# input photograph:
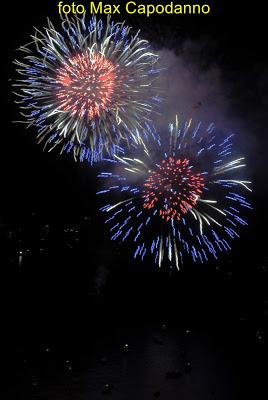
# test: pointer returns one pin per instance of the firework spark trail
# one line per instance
(179, 201)
(89, 87)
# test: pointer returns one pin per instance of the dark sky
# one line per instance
(228, 45)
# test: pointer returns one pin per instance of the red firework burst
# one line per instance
(87, 85)
(172, 188)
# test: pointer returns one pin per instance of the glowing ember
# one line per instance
(87, 85)
(172, 188)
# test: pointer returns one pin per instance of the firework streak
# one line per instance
(88, 88)
(184, 199)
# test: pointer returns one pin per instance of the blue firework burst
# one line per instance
(88, 87)
(182, 199)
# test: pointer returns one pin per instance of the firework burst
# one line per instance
(184, 199)
(88, 88)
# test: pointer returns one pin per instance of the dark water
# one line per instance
(83, 322)
(171, 364)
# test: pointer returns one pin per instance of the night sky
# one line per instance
(73, 300)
